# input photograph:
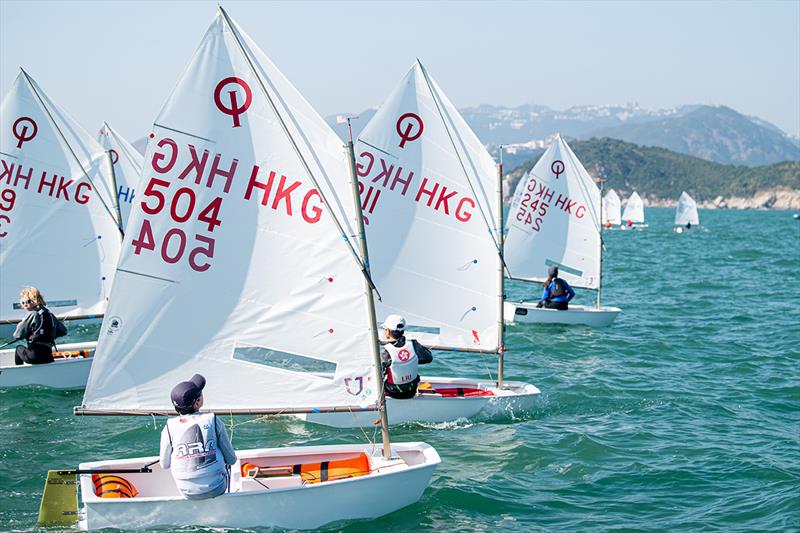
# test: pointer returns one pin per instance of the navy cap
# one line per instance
(552, 271)
(185, 393)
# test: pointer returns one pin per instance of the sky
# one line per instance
(118, 61)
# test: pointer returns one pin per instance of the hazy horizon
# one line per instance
(121, 59)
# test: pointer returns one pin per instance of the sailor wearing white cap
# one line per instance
(400, 359)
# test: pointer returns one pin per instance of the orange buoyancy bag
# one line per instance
(463, 391)
(323, 471)
(112, 486)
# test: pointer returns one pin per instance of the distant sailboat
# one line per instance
(686, 214)
(633, 216)
(126, 168)
(427, 184)
(58, 230)
(554, 220)
(612, 210)
(246, 230)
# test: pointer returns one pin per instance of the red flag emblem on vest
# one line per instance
(404, 355)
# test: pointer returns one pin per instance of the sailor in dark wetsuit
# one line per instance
(557, 292)
(400, 359)
(38, 328)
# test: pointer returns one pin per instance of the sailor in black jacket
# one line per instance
(38, 328)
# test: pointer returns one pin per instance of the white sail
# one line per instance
(554, 220)
(611, 208)
(57, 231)
(426, 183)
(634, 209)
(232, 267)
(127, 163)
(686, 212)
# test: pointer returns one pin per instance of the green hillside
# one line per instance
(659, 173)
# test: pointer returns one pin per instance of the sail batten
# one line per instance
(269, 303)
(554, 221)
(425, 182)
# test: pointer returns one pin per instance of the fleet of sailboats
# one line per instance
(427, 189)
(248, 228)
(249, 220)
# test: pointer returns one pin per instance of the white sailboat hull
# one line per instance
(528, 313)
(513, 399)
(286, 503)
(67, 373)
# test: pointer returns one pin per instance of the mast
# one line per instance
(115, 193)
(373, 327)
(498, 222)
(600, 280)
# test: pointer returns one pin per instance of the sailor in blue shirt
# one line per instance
(557, 292)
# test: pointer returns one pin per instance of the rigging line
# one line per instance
(366, 437)
(123, 148)
(490, 227)
(442, 113)
(342, 233)
(74, 155)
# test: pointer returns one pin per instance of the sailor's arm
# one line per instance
(424, 355)
(23, 329)
(386, 359)
(570, 291)
(224, 442)
(166, 450)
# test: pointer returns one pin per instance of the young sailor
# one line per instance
(195, 446)
(400, 359)
(40, 328)
(557, 292)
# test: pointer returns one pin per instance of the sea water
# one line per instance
(683, 415)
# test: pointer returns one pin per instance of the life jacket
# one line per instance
(405, 363)
(558, 289)
(43, 326)
(195, 453)
(112, 486)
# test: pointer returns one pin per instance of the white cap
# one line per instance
(394, 323)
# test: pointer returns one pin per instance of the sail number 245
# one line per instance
(182, 206)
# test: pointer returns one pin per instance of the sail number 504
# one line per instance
(181, 208)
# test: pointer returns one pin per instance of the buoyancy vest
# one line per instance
(195, 453)
(42, 327)
(405, 363)
(559, 289)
